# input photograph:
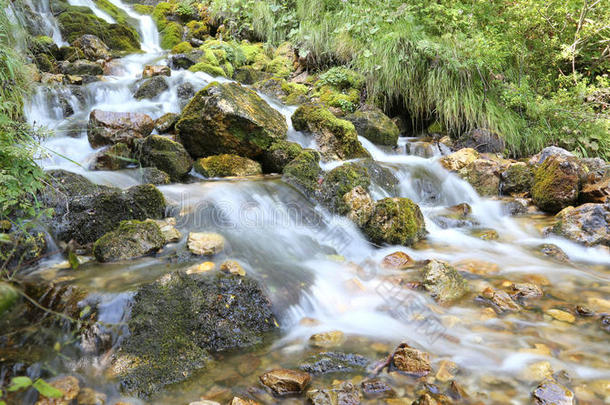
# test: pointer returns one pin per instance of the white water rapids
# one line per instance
(293, 245)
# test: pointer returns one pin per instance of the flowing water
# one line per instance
(318, 265)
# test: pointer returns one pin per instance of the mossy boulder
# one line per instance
(359, 205)
(336, 138)
(130, 240)
(588, 224)
(304, 171)
(279, 154)
(228, 118)
(556, 183)
(92, 47)
(339, 181)
(250, 75)
(166, 123)
(397, 221)
(82, 68)
(84, 211)
(443, 281)
(151, 88)
(114, 157)
(164, 154)
(483, 175)
(341, 88)
(75, 21)
(8, 297)
(108, 128)
(182, 47)
(19, 248)
(152, 175)
(227, 166)
(372, 124)
(517, 179)
(289, 93)
(179, 321)
(214, 71)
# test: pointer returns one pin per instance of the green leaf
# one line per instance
(2, 403)
(47, 390)
(19, 383)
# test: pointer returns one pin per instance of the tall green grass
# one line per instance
(20, 176)
(506, 66)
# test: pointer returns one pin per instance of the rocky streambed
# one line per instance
(228, 227)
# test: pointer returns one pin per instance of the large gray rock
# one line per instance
(178, 321)
(372, 124)
(588, 224)
(151, 88)
(84, 211)
(82, 68)
(92, 47)
(130, 240)
(482, 140)
(443, 281)
(164, 154)
(396, 221)
(228, 118)
(108, 128)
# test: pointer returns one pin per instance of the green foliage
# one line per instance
(526, 69)
(20, 177)
(40, 385)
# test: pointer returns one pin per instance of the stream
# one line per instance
(317, 265)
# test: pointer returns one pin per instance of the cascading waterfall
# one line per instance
(96, 10)
(321, 286)
(43, 8)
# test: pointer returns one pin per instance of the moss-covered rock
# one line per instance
(372, 124)
(84, 211)
(130, 240)
(82, 68)
(171, 35)
(166, 123)
(483, 175)
(151, 88)
(19, 249)
(75, 21)
(341, 180)
(182, 47)
(229, 118)
(396, 221)
(279, 154)
(8, 297)
(115, 157)
(197, 30)
(336, 138)
(359, 205)
(443, 281)
(152, 175)
(164, 154)
(556, 183)
(289, 93)
(304, 171)
(226, 312)
(340, 87)
(92, 47)
(250, 75)
(227, 166)
(214, 71)
(517, 179)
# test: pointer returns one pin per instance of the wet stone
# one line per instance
(327, 339)
(561, 315)
(205, 244)
(411, 361)
(554, 252)
(285, 382)
(87, 396)
(330, 362)
(499, 300)
(70, 388)
(233, 267)
(526, 291)
(376, 388)
(549, 392)
(443, 281)
(343, 393)
(397, 261)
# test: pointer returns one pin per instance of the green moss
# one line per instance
(228, 68)
(143, 9)
(517, 179)
(396, 221)
(160, 13)
(321, 122)
(130, 240)
(198, 29)
(279, 66)
(182, 47)
(340, 181)
(555, 185)
(304, 171)
(164, 154)
(372, 124)
(8, 297)
(171, 35)
(226, 166)
(279, 155)
(342, 79)
(346, 100)
(251, 51)
(75, 22)
(113, 11)
(209, 69)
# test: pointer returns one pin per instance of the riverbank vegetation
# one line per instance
(534, 71)
(20, 176)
